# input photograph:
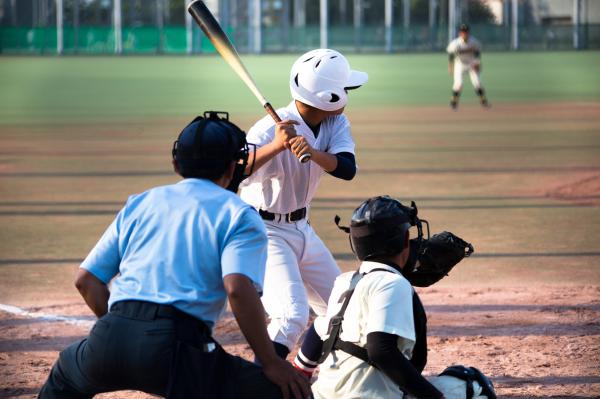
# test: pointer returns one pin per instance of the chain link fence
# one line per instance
(274, 26)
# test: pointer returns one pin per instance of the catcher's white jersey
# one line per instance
(382, 301)
(284, 184)
(465, 51)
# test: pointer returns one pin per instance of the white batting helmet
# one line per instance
(321, 77)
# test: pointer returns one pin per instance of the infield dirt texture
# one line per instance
(521, 181)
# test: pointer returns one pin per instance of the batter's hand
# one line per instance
(299, 146)
(284, 132)
(284, 375)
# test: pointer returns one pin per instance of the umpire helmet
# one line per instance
(208, 145)
(379, 225)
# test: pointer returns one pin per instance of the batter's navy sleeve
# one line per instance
(383, 352)
(346, 166)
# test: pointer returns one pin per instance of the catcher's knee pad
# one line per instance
(477, 384)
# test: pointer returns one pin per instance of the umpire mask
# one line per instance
(207, 146)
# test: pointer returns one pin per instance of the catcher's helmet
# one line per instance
(322, 77)
(379, 225)
(208, 145)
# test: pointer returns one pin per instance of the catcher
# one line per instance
(372, 343)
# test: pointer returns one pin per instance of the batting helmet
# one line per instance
(379, 225)
(208, 145)
(321, 78)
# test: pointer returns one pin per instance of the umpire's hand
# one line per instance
(283, 374)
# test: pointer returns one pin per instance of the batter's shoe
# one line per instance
(453, 104)
(484, 103)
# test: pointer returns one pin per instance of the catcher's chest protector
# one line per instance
(334, 342)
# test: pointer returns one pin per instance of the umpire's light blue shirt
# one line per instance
(174, 244)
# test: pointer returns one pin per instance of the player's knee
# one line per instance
(299, 319)
(296, 323)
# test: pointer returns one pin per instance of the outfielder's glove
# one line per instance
(432, 259)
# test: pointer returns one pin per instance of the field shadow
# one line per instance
(350, 256)
(508, 381)
(510, 308)
(38, 344)
(515, 330)
(14, 392)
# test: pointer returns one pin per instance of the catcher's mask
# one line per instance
(208, 145)
(379, 225)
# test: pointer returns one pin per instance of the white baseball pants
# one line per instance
(300, 274)
(459, 71)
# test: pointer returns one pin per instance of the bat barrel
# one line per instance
(219, 39)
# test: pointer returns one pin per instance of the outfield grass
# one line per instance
(68, 89)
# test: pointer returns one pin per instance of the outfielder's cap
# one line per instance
(464, 28)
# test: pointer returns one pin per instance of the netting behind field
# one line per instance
(271, 26)
(174, 40)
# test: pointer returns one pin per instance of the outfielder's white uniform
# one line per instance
(297, 258)
(466, 59)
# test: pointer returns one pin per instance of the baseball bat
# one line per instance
(223, 45)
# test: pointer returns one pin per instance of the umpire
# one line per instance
(173, 256)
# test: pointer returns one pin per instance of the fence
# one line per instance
(162, 27)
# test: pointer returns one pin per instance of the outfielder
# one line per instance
(300, 269)
(173, 256)
(464, 54)
(373, 343)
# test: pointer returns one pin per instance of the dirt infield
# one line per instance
(535, 342)
(521, 182)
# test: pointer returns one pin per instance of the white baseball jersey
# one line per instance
(465, 51)
(284, 184)
(382, 301)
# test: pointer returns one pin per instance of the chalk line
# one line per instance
(76, 321)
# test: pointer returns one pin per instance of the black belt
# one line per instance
(142, 310)
(294, 216)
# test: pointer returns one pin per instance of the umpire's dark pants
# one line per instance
(156, 349)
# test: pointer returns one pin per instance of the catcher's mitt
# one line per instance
(432, 259)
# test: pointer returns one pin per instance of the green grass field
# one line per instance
(81, 134)
(96, 88)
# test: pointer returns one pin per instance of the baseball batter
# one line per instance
(300, 269)
(465, 56)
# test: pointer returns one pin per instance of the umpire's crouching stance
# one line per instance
(176, 253)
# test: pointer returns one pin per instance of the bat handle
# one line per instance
(271, 112)
(269, 108)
